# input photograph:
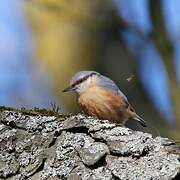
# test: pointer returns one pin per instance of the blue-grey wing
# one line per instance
(107, 83)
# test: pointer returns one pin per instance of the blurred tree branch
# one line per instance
(166, 51)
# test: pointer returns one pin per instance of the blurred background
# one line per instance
(136, 43)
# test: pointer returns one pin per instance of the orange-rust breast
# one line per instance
(103, 104)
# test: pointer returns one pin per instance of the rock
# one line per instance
(92, 154)
(54, 146)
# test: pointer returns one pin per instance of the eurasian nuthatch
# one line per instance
(98, 96)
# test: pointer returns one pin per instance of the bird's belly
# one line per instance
(103, 105)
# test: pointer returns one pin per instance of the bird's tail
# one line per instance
(144, 124)
(140, 120)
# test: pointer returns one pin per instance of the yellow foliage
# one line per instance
(68, 36)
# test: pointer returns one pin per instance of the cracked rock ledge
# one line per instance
(44, 147)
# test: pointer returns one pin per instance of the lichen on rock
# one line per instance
(48, 146)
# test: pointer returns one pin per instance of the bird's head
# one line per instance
(81, 81)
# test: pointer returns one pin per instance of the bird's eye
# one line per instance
(80, 81)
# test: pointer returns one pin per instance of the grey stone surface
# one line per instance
(35, 145)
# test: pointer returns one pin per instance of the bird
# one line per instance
(98, 96)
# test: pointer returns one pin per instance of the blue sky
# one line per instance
(19, 85)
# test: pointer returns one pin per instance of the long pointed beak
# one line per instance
(67, 89)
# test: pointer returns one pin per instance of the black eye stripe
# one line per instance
(82, 79)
